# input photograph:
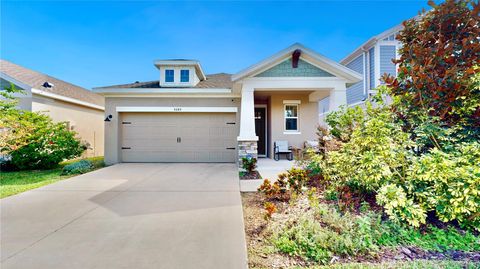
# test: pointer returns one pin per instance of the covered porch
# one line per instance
(280, 98)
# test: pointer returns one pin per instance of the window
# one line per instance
(184, 75)
(291, 117)
(169, 75)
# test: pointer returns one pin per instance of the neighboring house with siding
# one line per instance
(372, 59)
(187, 116)
(81, 109)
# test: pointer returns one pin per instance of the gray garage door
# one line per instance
(178, 137)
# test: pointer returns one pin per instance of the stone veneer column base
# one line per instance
(247, 148)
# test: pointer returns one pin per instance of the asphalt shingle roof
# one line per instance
(220, 81)
(36, 80)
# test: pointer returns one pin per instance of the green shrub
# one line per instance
(249, 164)
(44, 145)
(80, 167)
(382, 159)
(324, 232)
(343, 122)
(288, 184)
(327, 233)
(376, 153)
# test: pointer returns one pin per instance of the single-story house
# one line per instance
(187, 116)
(81, 109)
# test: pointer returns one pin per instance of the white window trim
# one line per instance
(297, 131)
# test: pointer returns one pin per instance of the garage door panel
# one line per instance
(133, 132)
(204, 137)
(150, 156)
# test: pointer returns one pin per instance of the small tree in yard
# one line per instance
(438, 60)
(33, 140)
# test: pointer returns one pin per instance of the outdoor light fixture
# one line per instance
(108, 118)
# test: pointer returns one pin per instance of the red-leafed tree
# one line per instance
(439, 65)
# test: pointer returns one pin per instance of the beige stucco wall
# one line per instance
(307, 122)
(112, 128)
(87, 122)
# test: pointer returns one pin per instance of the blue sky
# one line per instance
(99, 43)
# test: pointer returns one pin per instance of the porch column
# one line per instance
(247, 139)
(338, 97)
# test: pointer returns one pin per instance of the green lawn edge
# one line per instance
(16, 182)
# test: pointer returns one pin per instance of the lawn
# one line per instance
(20, 181)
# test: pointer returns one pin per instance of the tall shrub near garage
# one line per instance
(42, 143)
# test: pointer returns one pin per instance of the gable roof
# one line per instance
(213, 81)
(36, 80)
(369, 43)
(308, 55)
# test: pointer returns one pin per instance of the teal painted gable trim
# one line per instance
(304, 69)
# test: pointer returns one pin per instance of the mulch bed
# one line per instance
(260, 257)
(249, 176)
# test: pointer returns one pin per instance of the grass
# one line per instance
(20, 181)
(423, 264)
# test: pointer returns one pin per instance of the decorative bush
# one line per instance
(79, 167)
(34, 141)
(270, 208)
(375, 154)
(343, 122)
(382, 159)
(322, 232)
(293, 182)
(439, 57)
(249, 164)
(448, 183)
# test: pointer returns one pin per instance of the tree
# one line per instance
(438, 64)
(31, 139)
(7, 100)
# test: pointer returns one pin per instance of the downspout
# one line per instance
(365, 76)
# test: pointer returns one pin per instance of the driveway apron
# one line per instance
(137, 215)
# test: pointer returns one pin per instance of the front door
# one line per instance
(260, 129)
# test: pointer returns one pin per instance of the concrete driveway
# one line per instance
(129, 216)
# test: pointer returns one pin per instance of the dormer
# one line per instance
(179, 73)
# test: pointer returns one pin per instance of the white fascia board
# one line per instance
(161, 90)
(15, 81)
(370, 43)
(335, 67)
(195, 63)
(66, 99)
(197, 96)
(318, 60)
(174, 62)
(272, 59)
(292, 83)
(175, 109)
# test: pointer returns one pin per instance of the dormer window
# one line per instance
(169, 75)
(179, 73)
(184, 75)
